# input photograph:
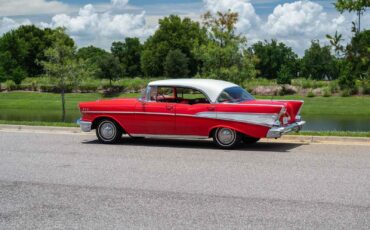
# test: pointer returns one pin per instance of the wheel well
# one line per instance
(212, 132)
(96, 122)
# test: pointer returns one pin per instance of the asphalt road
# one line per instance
(69, 181)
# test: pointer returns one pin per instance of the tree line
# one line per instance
(182, 48)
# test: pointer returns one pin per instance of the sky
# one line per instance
(100, 22)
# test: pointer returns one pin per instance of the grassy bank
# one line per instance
(333, 133)
(33, 108)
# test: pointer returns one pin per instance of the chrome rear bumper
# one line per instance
(85, 125)
(277, 131)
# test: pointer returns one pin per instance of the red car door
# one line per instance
(188, 121)
(156, 118)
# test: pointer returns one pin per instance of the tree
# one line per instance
(60, 62)
(225, 55)
(318, 63)
(89, 57)
(176, 64)
(129, 54)
(109, 68)
(359, 6)
(284, 75)
(173, 33)
(272, 56)
(358, 54)
(91, 54)
(335, 42)
(22, 50)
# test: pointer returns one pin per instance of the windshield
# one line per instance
(234, 94)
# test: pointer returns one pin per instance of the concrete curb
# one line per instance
(317, 139)
(50, 129)
(295, 138)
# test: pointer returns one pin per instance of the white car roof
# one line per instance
(211, 87)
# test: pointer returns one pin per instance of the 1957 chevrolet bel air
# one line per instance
(192, 108)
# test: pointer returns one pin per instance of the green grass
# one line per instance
(333, 133)
(39, 123)
(33, 106)
(325, 106)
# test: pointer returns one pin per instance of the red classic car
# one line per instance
(192, 108)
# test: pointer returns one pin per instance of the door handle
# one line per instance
(211, 108)
(169, 107)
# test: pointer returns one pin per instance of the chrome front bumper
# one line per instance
(85, 125)
(277, 131)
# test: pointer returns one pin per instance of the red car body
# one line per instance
(156, 114)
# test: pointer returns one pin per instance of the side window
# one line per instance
(162, 94)
(190, 96)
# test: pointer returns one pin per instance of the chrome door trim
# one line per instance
(168, 136)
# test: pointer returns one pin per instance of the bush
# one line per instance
(284, 76)
(365, 85)
(347, 81)
(326, 92)
(133, 85)
(346, 93)
(10, 85)
(334, 86)
(88, 87)
(310, 94)
(308, 83)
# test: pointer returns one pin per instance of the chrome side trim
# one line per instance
(251, 104)
(119, 112)
(276, 132)
(169, 136)
(264, 119)
(85, 125)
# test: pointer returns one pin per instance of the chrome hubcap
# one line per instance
(107, 130)
(226, 136)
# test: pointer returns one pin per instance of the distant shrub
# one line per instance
(284, 76)
(310, 94)
(10, 85)
(88, 87)
(365, 87)
(334, 86)
(309, 83)
(346, 93)
(326, 92)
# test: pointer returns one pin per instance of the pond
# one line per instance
(314, 123)
(337, 123)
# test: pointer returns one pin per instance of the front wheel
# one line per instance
(108, 131)
(226, 138)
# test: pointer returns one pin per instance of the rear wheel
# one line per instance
(226, 138)
(249, 140)
(108, 131)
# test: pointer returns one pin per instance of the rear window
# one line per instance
(234, 94)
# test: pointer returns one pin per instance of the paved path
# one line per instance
(69, 181)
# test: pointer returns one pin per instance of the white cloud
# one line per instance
(302, 18)
(247, 15)
(90, 26)
(34, 7)
(299, 22)
(119, 3)
(7, 24)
